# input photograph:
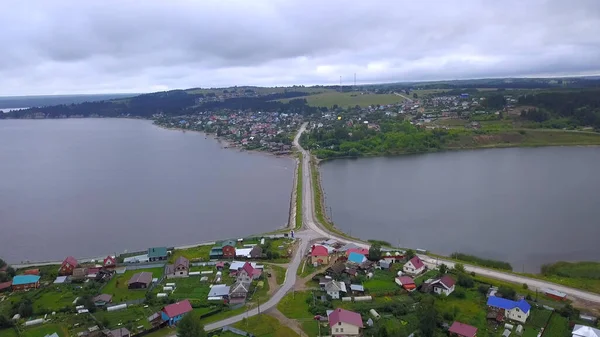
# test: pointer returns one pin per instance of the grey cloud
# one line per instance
(111, 46)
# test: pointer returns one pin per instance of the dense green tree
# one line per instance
(443, 269)
(25, 308)
(427, 317)
(496, 101)
(507, 292)
(465, 281)
(459, 267)
(189, 326)
(410, 254)
(375, 252)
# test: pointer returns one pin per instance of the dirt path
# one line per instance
(290, 323)
(273, 286)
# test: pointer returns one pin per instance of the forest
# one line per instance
(580, 108)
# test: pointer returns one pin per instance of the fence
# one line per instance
(142, 265)
(236, 331)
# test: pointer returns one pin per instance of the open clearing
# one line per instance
(348, 99)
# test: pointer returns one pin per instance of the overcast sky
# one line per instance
(62, 47)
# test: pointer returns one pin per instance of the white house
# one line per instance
(444, 285)
(414, 266)
(516, 310)
(333, 289)
(585, 331)
(345, 323)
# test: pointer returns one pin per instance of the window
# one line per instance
(337, 330)
(339, 323)
(341, 329)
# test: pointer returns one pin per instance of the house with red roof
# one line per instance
(67, 267)
(462, 330)
(173, 313)
(319, 255)
(406, 282)
(110, 262)
(247, 273)
(345, 323)
(6, 286)
(444, 285)
(31, 272)
(361, 251)
(414, 266)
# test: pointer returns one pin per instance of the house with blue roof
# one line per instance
(356, 258)
(22, 282)
(515, 310)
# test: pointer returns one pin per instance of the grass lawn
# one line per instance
(382, 281)
(294, 306)
(8, 333)
(348, 99)
(265, 325)
(43, 330)
(162, 332)
(470, 310)
(424, 277)
(117, 287)
(189, 288)
(136, 315)
(56, 297)
(279, 273)
(308, 268)
(222, 315)
(199, 253)
(558, 327)
(538, 317)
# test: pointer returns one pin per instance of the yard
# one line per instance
(558, 327)
(56, 297)
(279, 273)
(383, 281)
(198, 253)
(470, 310)
(188, 288)
(43, 330)
(133, 316)
(117, 286)
(294, 306)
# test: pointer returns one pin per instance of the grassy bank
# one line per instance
(348, 99)
(525, 138)
(482, 262)
(299, 193)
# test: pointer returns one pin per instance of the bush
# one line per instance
(459, 293)
(465, 281)
(483, 289)
(525, 286)
(507, 292)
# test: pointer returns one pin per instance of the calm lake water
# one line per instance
(88, 187)
(525, 206)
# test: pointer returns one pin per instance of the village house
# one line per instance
(109, 262)
(180, 268)
(67, 267)
(102, 300)
(247, 273)
(356, 258)
(173, 313)
(238, 292)
(23, 282)
(219, 292)
(444, 285)
(157, 254)
(406, 282)
(414, 266)
(462, 330)
(345, 323)
(140, 280)
(319, 255)
(5, 286)
(336, 270)
(225, 249)
(79, 274)
(31, 272)
(385, 264)
(584, 331)
(333, 289)
(120, 332)
(515, 310)
(357, 289)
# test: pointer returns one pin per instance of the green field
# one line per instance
(524, 138)
(294, 306)
(279, 273)
(382, 281)
(558, 327)
(56, 297)
(262, 90)
(348, 99)
(8, 333)
(265, 325)
(134, 315)
(195, 253)
(189, 288)
(43, 330)
(117, 286)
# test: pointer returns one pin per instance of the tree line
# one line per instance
(580, 108)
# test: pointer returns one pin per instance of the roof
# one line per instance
(219, 290)
(463, 329)
(345, 316)
(503, 303)
(169, 269)
(70, 260)
(153, 316)
(110, 261)
(238, 287)
(405, 280)
(554, 292)
(103, 298)
(338, 267)
(60, 279)
(357, 287)
(227, 243)
(446, 281)
(157, 252)
(54, 334)
(236, 265)
(416, 262)
(25, 279)
(120, 332)
(143, 277)
(243, 251)
(318, 250)
(356, 257)
(176, 309)
(348, 246)
(5, 285)
(32, 272)
(363, 251)
(585, 331)
(182, 260)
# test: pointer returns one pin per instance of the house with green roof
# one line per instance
(224, 249)
(157, 254)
